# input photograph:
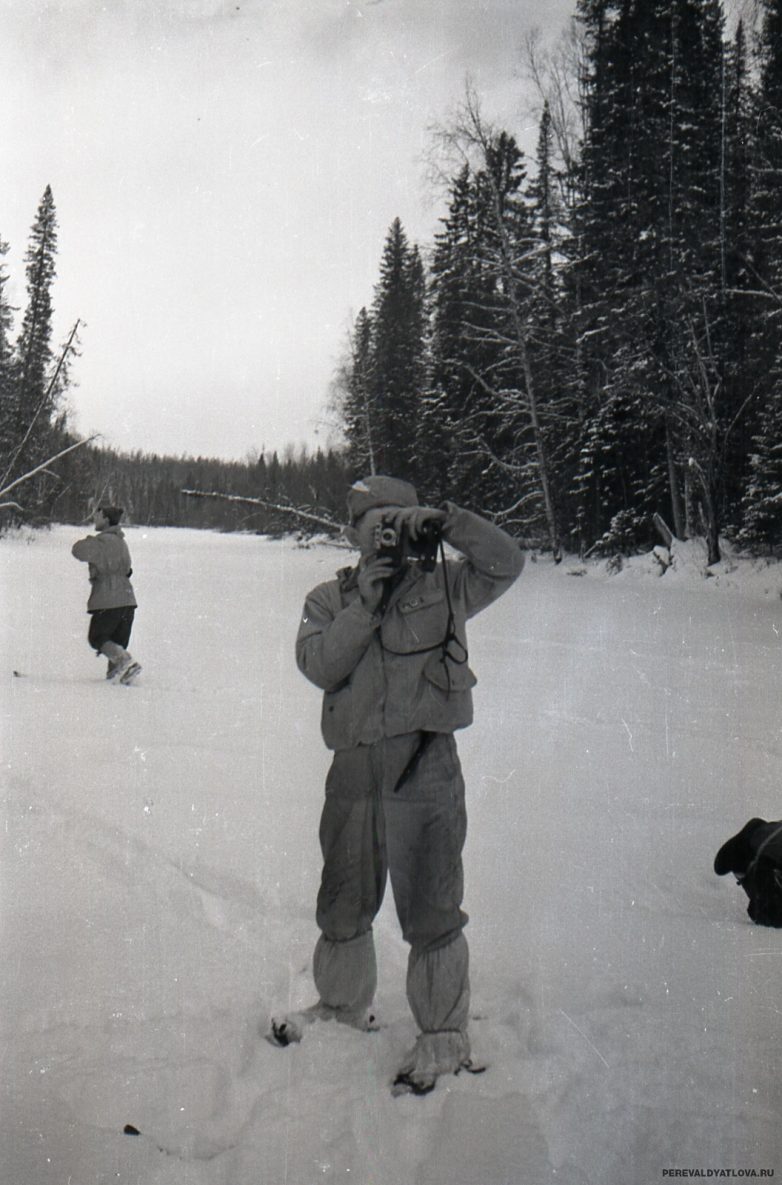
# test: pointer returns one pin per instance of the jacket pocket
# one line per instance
(448, 675)
(416, 601)
(420, 622)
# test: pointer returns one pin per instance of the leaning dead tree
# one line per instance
(45, 402)
(42, 468)
(306, 515)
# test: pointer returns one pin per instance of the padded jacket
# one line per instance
(110, 569)
(385, 674)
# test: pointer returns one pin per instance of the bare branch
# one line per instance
(553, 73)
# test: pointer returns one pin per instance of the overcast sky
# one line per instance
(224, 175)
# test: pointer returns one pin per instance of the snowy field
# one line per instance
(160, 863)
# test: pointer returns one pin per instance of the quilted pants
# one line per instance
(395, 809)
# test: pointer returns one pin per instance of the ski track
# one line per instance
(159, 865)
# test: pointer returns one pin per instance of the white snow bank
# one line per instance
(685, 564)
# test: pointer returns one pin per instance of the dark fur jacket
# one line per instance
(754, 856)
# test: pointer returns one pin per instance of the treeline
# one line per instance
(150, 489)
(593, 338)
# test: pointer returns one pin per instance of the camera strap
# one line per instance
(450, 638)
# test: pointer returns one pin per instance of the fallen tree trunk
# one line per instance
(306, 515)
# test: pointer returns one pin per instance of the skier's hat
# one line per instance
(378, 491)
(112, 513)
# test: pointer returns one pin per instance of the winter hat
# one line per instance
(112, 513)
(374, 491)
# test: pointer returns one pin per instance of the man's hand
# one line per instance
(414, 517)
(373, 573)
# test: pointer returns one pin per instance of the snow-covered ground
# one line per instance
(159, 865)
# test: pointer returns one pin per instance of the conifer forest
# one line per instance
(590, 343)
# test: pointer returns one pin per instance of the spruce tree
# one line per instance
(765, 202)
(650, 264)
(740, 402)
(357, 406)
(460, 294)
(552, 339)
(762, 509)
(610, 232)
(34, 352)
(398, 354)
(35, 398)
(8, 414)
(689, 347)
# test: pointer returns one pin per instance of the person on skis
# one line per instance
(385, 641)
(112, 602)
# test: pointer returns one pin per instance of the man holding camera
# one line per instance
(386, 643)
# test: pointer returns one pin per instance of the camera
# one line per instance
(399, 546)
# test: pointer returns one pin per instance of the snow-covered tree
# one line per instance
(36, 431)
(504, 427)
(397, 372)
(650, 269)
(357, 403)
(740, 395)
(762, 509)
(604, 342)
(460, 293)
(8, 413)
(34, 347)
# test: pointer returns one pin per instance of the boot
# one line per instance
(345, 977)
(118, 658)
(289, 1029)
(122, 667)
(434, 1054)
